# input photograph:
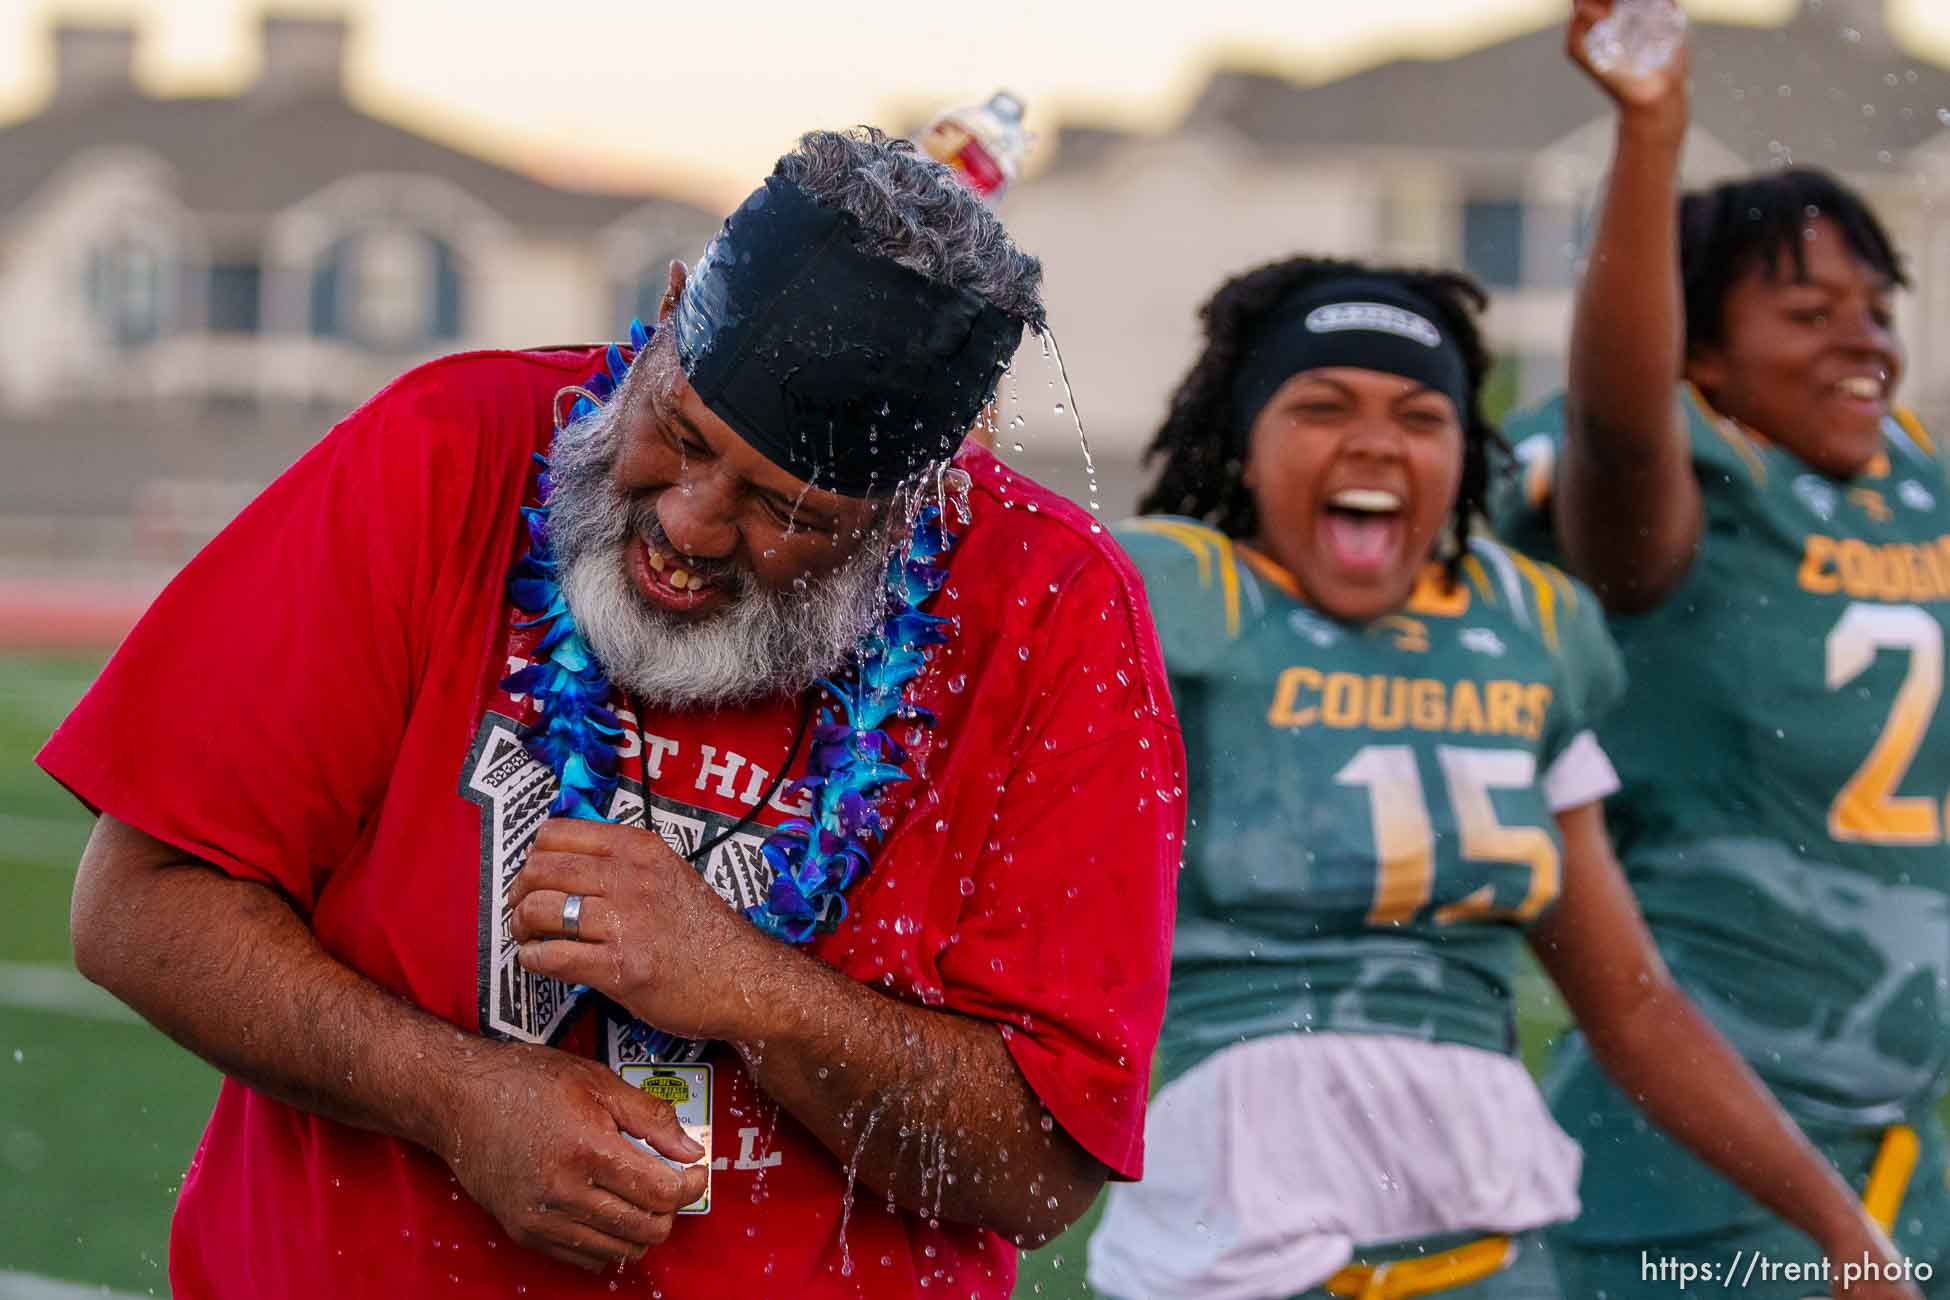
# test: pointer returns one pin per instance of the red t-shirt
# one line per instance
(315, 704)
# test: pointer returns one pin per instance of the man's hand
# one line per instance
(652, 935)
(536, 1137)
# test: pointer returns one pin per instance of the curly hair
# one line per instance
(915, 213)
(1759, 220)
(1203, 475)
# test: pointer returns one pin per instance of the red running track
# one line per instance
(91, 614)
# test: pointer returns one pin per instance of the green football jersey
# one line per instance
(1368, 830)
(1785, 760)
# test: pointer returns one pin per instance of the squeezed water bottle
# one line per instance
(983, 143)
(1637, 38)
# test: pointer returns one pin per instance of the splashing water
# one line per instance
(1069, 403)
(852, 1178)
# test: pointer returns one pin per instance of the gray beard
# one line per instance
(762, 643)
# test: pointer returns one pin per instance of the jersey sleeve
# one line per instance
(1192, 584)
(1066, 938)
(253, 715)
(1725, 460)
(1591, 669)
(1520, 501)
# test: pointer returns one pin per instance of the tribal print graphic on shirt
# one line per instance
(514, 791)
(1370, 832)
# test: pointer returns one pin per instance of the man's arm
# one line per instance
(1628, 508)
(929, 1103)
(925, 1106)
(227, 968)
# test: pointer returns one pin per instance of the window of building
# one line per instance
(388, 287)
(1493, 241)
(236, 295)
(126, 290)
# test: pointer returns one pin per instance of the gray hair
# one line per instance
(916, 214)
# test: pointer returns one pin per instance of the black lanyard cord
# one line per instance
(805, 721)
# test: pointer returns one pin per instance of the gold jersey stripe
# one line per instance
(1734, 434)
(1546, 595)
(1480, 576)
(1213, 549)
(1913, 426)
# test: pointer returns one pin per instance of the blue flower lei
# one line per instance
(852, 761)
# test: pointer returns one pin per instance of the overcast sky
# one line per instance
(704, 95)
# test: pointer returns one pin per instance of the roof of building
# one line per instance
(260, 152)
(1831, 86)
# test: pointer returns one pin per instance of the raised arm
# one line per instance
(1628, 510)
(227, 968)
(1657, 1048)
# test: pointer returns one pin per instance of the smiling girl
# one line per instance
(1394, 786)
(1771, 535)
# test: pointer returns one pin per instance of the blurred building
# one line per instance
(1490, 161)
(281, 244)
(193, 289)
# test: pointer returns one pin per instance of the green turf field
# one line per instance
(98, 1113)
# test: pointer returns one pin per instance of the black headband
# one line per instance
(1369, 324)
(841, 367)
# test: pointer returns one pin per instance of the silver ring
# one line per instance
(572, 916)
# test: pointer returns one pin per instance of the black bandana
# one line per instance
(840, 367)
(1368, 324)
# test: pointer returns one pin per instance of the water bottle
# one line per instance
(984, 143)
(1637, 38)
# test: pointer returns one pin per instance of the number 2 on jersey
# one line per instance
(1868, 810)
(1404, 837)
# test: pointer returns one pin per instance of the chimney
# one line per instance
(92, 63)
(304, 58)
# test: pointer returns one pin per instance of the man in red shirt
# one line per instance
(432, 791)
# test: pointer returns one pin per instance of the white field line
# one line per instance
(28, 986)
(31, 1286)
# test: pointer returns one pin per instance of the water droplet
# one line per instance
(958, 683)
